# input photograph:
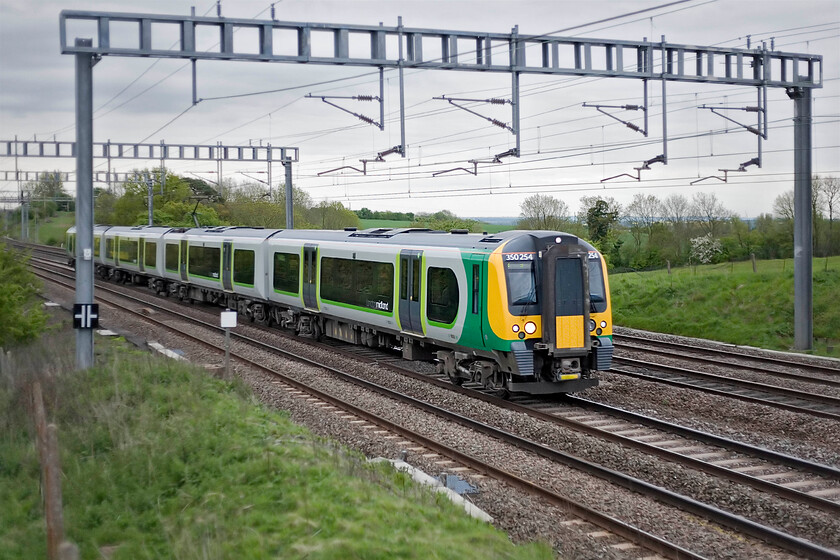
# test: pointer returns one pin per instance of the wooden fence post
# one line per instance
(40, 422)
(752, 257)
(669, 267)
(53, 509)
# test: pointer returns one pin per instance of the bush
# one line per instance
(21, 317)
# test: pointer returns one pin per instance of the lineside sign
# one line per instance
(85, 315)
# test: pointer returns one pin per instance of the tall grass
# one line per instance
(730, 303)
(162, 461)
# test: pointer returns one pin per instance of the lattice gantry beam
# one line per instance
(284, 41)
(120, 150)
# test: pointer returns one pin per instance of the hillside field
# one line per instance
(730, 303)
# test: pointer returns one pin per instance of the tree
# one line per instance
(445, 220)
(783, 206)
(544, 212)
(709, 212)
(642, 213)
(600, 216)
(828, 189)
(675, 209)
(332, 215)
(48, 195)
(705, 249)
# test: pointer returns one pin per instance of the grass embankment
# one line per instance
(730, 303)
(162, 461)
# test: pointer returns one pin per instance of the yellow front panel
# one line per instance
(570, 332)
(500, 319)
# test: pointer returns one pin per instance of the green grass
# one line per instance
(162, 461)
(50, 231)
(730, 303)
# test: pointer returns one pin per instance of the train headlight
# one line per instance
(530, 327)
(603, 324)
(591, 325)
(515, 328)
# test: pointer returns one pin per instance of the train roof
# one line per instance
(520, 240)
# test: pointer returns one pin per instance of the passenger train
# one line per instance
(517, 311)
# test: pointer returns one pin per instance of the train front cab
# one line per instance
(558, 336)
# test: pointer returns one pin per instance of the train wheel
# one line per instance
(495, 385)
(455, 380)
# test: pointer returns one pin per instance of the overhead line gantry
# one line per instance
(563, 56)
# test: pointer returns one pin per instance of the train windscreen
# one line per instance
(597, 290)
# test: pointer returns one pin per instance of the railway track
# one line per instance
(816, 404)
(793, 544)
(799, 480)
(823, 374)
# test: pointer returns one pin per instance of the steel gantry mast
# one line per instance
(495, 52)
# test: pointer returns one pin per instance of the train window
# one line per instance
(287, 273)
(96, 240)
(150, 254)
(597, 290)
(476, 288)
(109, 248)
(128, 251)
(365, 284)
(204, 261)
(415, 282)
(442, 300)
(568, 288)
(243, 267)
(522, 288)
(172, 257)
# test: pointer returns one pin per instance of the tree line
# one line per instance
(184, 201)
(646, 233)
(649, 231)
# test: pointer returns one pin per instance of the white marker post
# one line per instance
(228, 322)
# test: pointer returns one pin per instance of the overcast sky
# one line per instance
(566, 149)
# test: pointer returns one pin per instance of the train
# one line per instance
(516, 312)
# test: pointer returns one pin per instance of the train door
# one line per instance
(227, 261)
(566, 297)
(479, 272)
(410, 278)
(116, 250)
(310, 276)
(141, 254)
(183, 263)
